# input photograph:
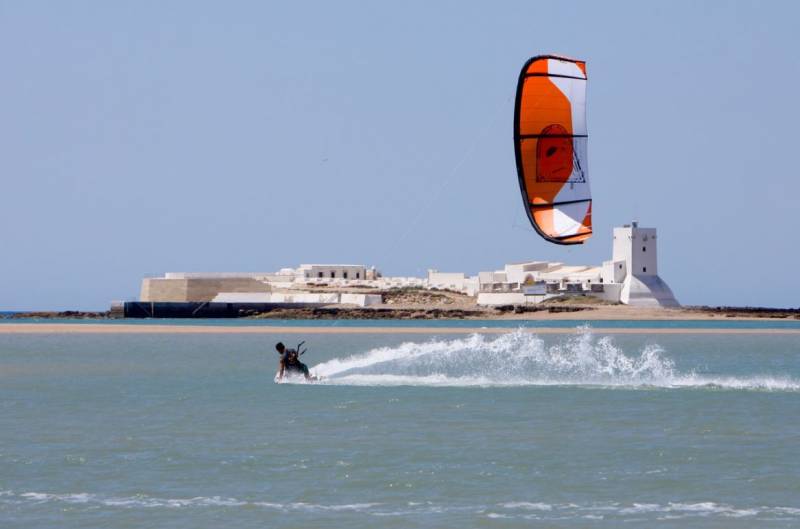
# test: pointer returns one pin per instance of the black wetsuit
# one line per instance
(294, 366)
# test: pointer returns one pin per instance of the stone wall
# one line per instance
(161, 289)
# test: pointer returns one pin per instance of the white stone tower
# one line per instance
(636, 249)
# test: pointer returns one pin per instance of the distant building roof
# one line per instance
(333, 265)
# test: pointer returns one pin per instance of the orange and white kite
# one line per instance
(550, 139)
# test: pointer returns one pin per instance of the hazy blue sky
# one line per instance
(145, 137)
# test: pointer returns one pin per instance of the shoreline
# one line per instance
(95, 328)
(550, 312)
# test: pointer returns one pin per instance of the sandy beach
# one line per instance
(628, 313)
(95, 328)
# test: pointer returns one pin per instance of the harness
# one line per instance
(293, 365)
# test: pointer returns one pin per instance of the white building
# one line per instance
(630, 277)
(636, 252)
(457, 281)
(327, 271)
(300, 297)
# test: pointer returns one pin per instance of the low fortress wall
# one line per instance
(197, 289)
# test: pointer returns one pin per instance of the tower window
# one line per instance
(358, 275)
(620, 266)
(333, 274)
(344, 275)
(644, 248)
(319, 274)
(644, 269)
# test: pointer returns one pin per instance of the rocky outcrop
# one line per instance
(747, 312)
(66, 314)
(333, 313)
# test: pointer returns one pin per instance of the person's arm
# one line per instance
(281, 368)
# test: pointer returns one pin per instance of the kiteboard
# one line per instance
(298, 378)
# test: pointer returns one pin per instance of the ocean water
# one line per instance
(406, 431)
(720, 323)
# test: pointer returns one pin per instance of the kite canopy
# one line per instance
(550, 140)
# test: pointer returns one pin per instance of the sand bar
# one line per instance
(92, 328)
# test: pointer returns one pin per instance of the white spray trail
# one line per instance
(524, 359)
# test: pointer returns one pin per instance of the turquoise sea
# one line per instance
(406, 431)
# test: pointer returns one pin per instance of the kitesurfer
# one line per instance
(290, 362)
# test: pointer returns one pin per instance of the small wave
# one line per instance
(757, 383)
(699, 508)
(144, 501)
(527, 506)
(357, 507)
(524, 359)
(671, 510)
(525, 510)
